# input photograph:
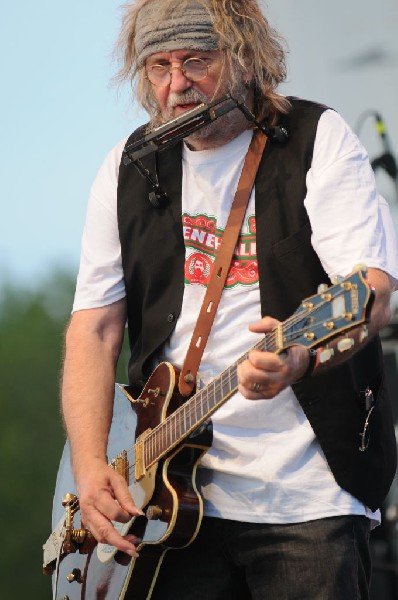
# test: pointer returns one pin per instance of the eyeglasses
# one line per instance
(369, 404)
(194, 69)
(365, 434)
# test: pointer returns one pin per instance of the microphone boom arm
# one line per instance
(174, 131)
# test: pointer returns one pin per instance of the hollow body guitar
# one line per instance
(165, 490)
(157, 447)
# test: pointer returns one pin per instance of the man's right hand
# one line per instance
(104, 497)
(93, 342)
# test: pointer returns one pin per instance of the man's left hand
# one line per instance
(264, 374)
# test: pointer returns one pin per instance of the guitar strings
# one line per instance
(189, 409)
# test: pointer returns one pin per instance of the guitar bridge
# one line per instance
(73, 537)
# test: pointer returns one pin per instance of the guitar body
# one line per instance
(166, 493)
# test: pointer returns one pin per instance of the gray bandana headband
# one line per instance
(188, 28)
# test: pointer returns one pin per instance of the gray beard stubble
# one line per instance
(224, 128)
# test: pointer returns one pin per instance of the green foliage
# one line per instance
(32, 323)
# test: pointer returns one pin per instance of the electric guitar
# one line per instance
(157, 447)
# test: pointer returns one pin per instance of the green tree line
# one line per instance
(32, 325)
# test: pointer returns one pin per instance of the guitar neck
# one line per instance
(333, 311)
(201, 406)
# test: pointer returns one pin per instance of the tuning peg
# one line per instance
(360, 267)
(322, 288)
(309, 335)
(345, 344)
(363, 334)
(326, 355)
(337, 279)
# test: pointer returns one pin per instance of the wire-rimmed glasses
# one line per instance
(194, 69)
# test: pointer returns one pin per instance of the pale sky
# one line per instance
(60, 116)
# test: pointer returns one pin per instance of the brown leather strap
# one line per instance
(221, 265)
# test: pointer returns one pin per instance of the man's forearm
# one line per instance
(92, 349)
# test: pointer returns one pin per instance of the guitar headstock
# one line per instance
(333, 311)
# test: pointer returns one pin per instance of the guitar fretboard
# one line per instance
(197, 409)
(318, 318)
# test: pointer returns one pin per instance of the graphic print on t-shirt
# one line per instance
(202, 241)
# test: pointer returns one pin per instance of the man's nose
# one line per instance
(178, 81)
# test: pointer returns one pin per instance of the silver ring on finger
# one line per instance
(256, 387)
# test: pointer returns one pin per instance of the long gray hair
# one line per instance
(247, 43)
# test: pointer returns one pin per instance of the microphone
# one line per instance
(386, 160)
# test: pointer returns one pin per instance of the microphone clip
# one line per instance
(276, 134)
(158, 198)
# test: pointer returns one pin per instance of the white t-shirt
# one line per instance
(265, 464)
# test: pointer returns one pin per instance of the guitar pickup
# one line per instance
(140, 466)
(120, 464)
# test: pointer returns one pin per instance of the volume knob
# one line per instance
(76, 575)
(153, 513)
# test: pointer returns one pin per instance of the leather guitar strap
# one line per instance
(221, 265)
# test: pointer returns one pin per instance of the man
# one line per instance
(289, 495)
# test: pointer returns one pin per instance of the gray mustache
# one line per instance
(185, 98)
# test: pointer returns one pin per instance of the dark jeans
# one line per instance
(326, 559)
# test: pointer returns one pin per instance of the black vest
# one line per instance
(153, 255)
